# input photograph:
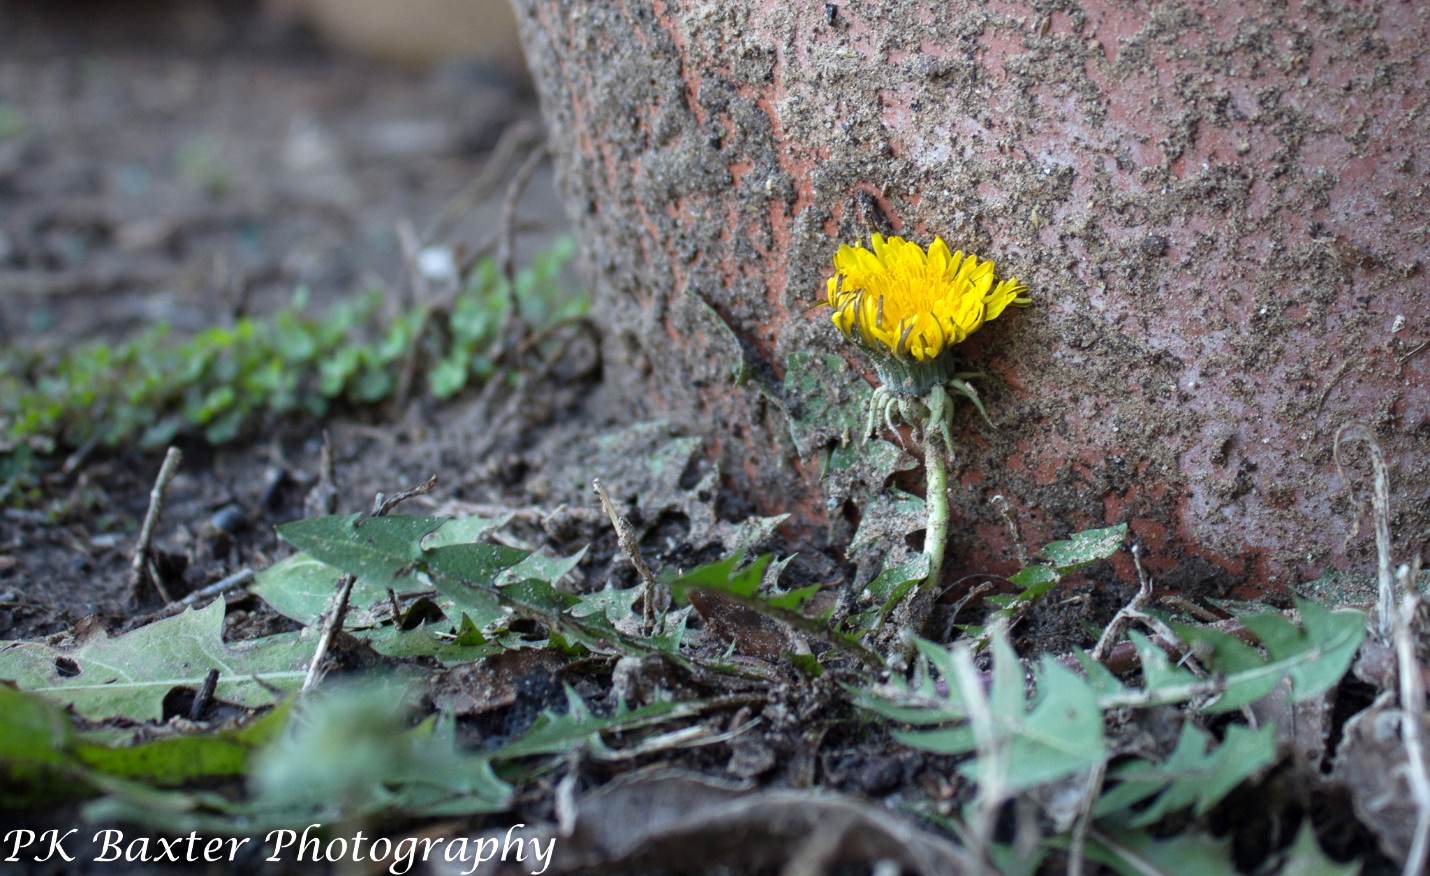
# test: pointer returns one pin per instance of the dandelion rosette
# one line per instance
(907, 306)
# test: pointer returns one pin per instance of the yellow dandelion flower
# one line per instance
(898, 300)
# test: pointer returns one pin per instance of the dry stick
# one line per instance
(626, 539)
(1186, 606)
(322, 499)
(1412, 718)
(204, 696)
(77, 459)
(419, 296)
(1125, 615)
(220, 587)
(396, 607)
(143, 561)
(505, 344)
(411, 253)
(1077, 847)
(1330, 384)
(338, 607)
(505, 249)
(1406, 357)
(515, 138)
(1381, 503)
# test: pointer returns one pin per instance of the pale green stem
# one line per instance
(936, 501)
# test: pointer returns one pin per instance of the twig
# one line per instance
(383, 505)
(626, 540)
(507, 245)
(1020, 549)
(411, 254)
(220, 587)
(143, 561)
(1077, 846)
(322, 499)
(1335, 378)
(509, 335)
(77, 459)
(1412, 719)
(1137, 604)
(332, 622)
(977, 590)
(512, 140)
(338, 607)
(396, 607)
(1200, 612)
(1381, 508)
(204, 696)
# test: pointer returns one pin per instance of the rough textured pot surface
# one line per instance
(1219, 209)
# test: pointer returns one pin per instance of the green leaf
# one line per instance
(471, 576)
(177, 759)
(1196, 774)
(577, 729)
(388, 551)
(301, 587)
(1084, 548)
(1135, 853)
(422, 642)
(43, 759)
(1305, 858)
(1058, 734)
(742, 587)
(1315, 656)
(128, 676)
(354, 754)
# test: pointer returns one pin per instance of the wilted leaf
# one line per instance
(1373, 765)
(742, 588)
(129, 675)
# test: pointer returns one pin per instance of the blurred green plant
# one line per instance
(225, 381)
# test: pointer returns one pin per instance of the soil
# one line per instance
(182, 163)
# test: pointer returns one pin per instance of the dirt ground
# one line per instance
(183, 168)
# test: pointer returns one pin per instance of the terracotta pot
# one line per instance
(1219, 209)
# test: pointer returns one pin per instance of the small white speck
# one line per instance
(1305, 437)
(1398, 324)
(1263, 311)
(1265, 440)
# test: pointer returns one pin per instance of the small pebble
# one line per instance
(229, 519)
